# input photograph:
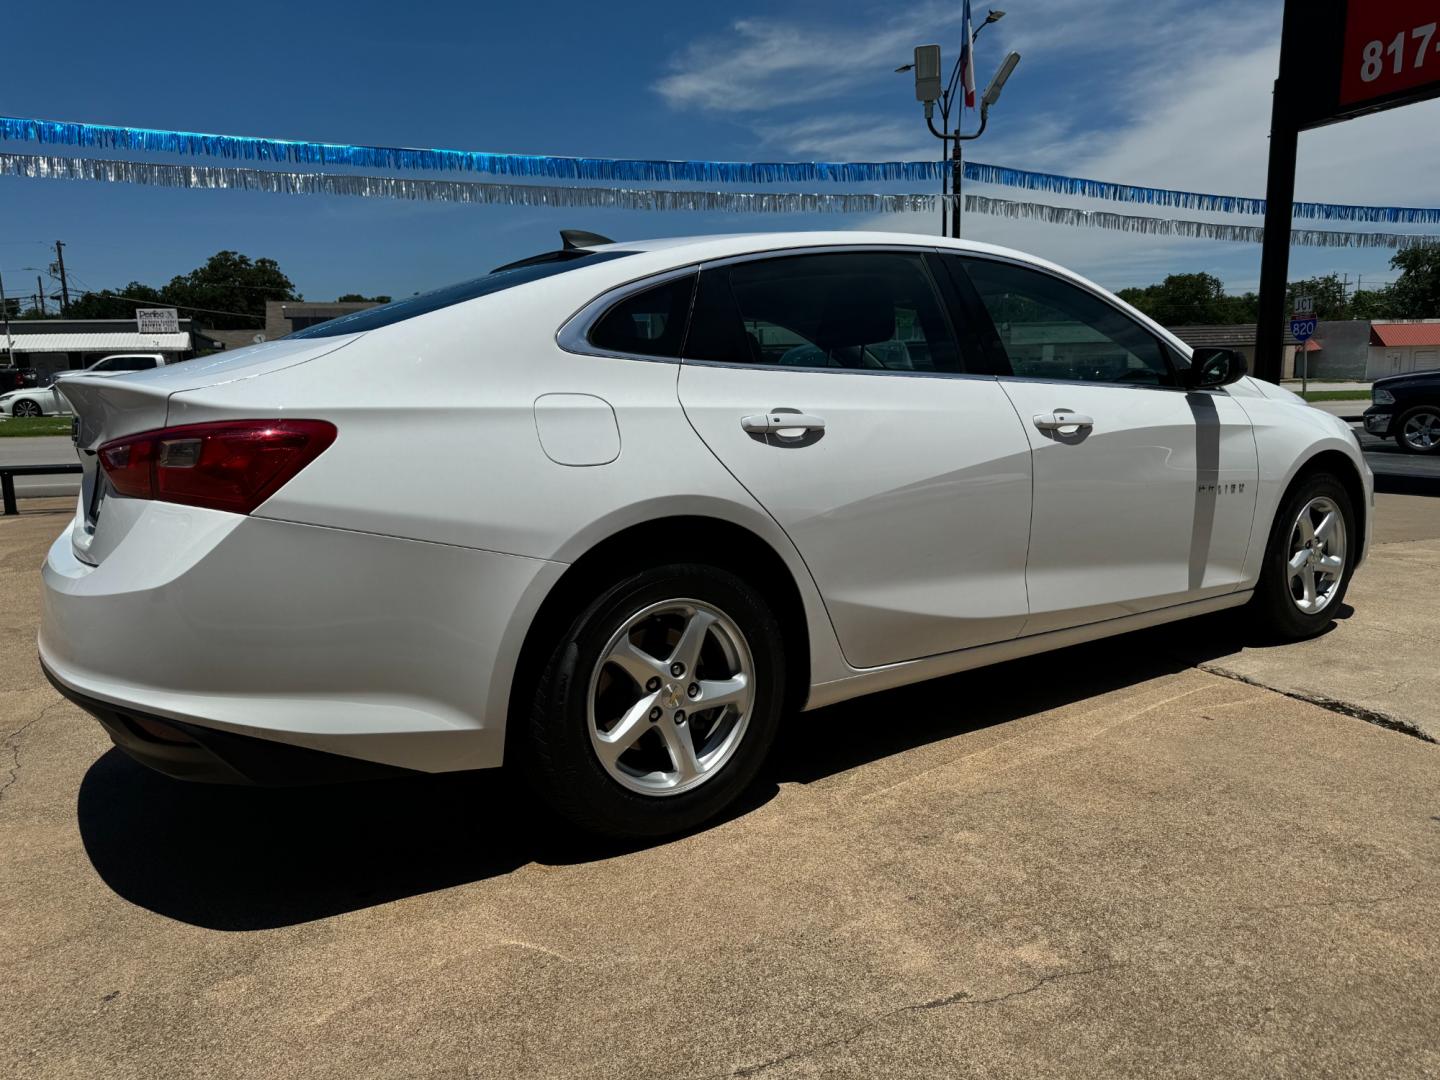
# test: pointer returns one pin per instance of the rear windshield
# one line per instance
(495, 281)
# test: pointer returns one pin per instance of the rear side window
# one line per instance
(648, 323)
(860, 311)
(496, 281)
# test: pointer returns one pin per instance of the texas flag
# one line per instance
(967, 59)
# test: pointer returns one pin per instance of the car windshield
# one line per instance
(506, 277)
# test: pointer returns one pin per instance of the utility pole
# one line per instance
(64, 285)
(5, 314)
(40, 295)
(929, 91)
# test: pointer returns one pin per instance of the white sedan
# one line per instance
(613, 513)
(33, 401)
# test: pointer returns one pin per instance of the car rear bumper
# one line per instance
(191, 752)
(228, 628)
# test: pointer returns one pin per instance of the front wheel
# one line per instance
(658, 705)
(1419, 430)
(1308, 560)
(25, 407)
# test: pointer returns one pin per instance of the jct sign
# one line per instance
(1389, 47)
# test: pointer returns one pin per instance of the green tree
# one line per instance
(1372, 304)
(114, 304)
(356, 298)
(233, 283)
(1181, 299)
(1416, 294)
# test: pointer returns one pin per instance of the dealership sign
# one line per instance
(1338, 59)
(157, 320)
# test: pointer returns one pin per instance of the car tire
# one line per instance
(1284, 606)
(26, 407)
(1425, 436)
(638, 786)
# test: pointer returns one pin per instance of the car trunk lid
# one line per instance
(109, 407)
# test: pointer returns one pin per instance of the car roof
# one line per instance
(678, 251)
(681, 250)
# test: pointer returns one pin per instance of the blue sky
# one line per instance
(1142, 91)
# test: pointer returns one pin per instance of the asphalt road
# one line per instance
(44, 450)
(1397, 472)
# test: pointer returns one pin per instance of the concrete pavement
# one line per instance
(1101, 862)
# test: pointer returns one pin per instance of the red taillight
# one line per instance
(234, 465)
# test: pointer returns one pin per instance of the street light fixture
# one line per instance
(926, 66)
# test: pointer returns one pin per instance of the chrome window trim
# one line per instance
(574, 333)
(742, 366)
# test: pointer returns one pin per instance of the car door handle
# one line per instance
(1062, 418)
(771, 422)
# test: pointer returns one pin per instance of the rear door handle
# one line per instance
(771, 422)
(1062, 418)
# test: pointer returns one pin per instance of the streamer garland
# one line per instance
(1192, 200)
(246, 148)
(1200, 230)
(211, 177)
(402, 159)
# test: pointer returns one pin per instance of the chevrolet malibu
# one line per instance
(613, 513)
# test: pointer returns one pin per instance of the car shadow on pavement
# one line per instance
(237, 858)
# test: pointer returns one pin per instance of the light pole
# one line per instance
(928, 91)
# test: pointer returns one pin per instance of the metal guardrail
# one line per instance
(9, 472)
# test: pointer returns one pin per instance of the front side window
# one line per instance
(1050, 329)
(857, 311)
(648, 323)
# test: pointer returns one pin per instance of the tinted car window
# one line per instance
(862, 311)
(1050, 329)
(127, 363)
(649, 323)
(387, 314)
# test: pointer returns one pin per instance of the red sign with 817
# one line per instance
(1390, 45)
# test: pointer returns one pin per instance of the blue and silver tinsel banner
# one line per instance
(1192, 200)
(626, 170)
(225, 177)
(406, 159)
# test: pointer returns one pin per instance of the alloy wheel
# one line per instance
(1422, 431)
(1316, 563)
(670, 698)
(26, 408)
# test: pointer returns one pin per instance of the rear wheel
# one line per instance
(1419, 430)
(1308, 560)
(658, 705)
(25, 407)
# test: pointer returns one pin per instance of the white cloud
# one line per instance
(850, 137)
(768, 63)
(1166, 93)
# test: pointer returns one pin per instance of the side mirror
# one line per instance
(1213, 367)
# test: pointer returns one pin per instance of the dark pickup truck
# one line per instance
(1407, 409)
